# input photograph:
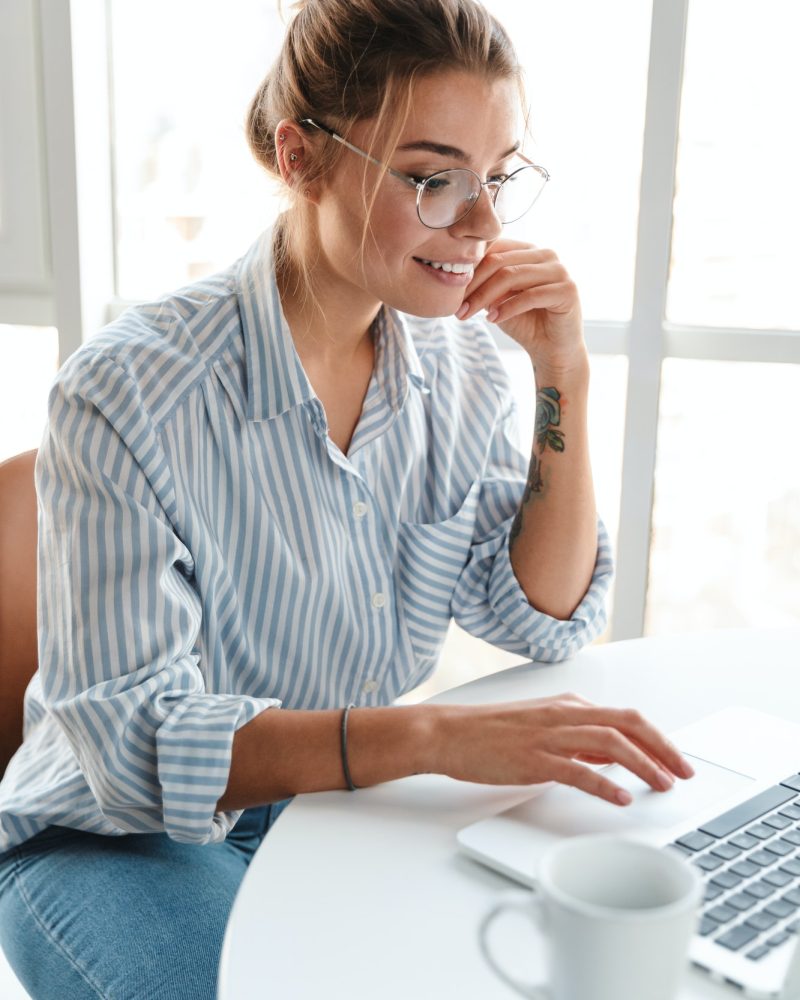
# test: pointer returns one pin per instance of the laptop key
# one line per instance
(793, 897)
(779, 847)
(722, 913)
(744, 868)
(777, 822)
(762, 858)
(793, 836)
(695, 840)
(779, 908)
(778, 878)
(711, 891)
(760, 889)
(777, 939)
(747, 812)
(737, 937)
(792, 866)
(725, 851)
(792, 811)
(760, 831)
(727, 880)
(761, 921)
(793, 781)
(743, 840)
(793, 927)
(741, 901)
(708, 863)
(707, 926)
(758, 952)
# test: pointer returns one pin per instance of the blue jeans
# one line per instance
(138, 917)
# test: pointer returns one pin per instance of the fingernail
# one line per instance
(492, 315)
(463, 309)
(624, 797)
(688, 770)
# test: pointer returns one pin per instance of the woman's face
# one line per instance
(477, 119)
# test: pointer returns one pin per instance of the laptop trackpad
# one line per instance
(514, 840)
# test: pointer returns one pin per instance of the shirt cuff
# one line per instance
(551, 639)
(195, 746)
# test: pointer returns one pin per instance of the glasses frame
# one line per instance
(493, 186)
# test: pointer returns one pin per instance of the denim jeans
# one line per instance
(137, 917)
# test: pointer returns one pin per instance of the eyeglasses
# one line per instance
(447, 196)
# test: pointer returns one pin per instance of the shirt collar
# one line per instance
(276, 379)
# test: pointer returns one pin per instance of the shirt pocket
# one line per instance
(430, 559)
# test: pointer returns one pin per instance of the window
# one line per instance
(688, 291)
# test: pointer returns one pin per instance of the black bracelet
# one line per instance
(345, 766)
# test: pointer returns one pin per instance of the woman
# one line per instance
(264, 496)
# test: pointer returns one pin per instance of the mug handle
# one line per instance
(529, 903)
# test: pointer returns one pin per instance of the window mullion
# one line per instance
(646, 332)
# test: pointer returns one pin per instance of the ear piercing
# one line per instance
(282, 137)
(292, 157)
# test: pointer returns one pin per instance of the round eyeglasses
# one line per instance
(446, 197)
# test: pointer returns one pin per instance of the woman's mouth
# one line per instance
(458, 273)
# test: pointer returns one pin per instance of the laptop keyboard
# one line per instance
(750, 861)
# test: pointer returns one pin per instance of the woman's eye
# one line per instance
(436, 184)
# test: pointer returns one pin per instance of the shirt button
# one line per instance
(359, 509)
(370, 686)
(378, 600)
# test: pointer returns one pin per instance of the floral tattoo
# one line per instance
(546, 434)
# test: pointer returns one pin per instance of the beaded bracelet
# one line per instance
(345, 766)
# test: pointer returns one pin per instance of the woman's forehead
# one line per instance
(461, 116)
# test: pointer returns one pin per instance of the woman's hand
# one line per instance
(529, 294)
(523, 743)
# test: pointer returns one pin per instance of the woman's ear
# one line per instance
(293, 149)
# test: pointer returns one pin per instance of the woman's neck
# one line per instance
(330, 325)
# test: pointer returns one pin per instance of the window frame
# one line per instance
(77, 138)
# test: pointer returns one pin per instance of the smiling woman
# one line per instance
(265, 496)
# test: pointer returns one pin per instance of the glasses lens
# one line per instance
(447, 196)
(518, 192)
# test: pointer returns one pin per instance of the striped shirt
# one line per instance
(207, 552)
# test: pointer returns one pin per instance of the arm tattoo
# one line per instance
(546, 434)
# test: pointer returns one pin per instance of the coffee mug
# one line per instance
(617, 916)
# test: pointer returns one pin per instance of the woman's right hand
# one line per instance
(551, 739)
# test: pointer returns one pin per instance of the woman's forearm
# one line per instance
(282, 752)
(553, 544)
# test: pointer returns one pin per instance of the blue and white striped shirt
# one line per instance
(207, 552)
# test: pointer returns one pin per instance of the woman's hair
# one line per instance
(343, 61)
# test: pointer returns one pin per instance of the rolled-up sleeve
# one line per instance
(119, 618)
(488, 600)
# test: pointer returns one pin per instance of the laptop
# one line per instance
(737, 821)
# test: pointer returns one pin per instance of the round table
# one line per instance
(365, 894)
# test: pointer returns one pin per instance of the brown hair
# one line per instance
(343, 61)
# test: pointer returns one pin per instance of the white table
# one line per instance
(365, 895)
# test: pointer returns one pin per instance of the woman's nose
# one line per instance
(482, 221)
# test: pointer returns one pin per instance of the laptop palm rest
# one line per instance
(513, 841)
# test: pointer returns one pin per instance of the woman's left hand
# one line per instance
(530, 296)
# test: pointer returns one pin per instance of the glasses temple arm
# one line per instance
(361, 152)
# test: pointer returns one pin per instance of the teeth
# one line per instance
(446, 266)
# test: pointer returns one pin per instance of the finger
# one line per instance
(512, 278)
(567, 772)
(494, 262)
(639, 729)
(609, 742)
(558, 298)
(588, 758)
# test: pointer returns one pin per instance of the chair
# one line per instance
(18, 638)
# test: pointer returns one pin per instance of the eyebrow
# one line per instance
(451, 152)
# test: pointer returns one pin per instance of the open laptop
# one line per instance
(737, 821)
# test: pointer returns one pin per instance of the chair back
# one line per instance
(18, 636)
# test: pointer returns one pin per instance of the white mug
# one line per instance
(617, 916)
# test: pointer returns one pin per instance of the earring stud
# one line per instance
(292, 157)
(282, 137)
